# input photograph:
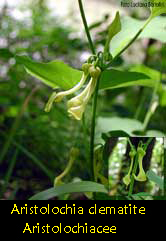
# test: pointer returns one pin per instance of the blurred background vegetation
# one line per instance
(34, 145)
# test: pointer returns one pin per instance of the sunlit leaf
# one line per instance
(152, 133)
(158, 8)
(152, 176)
(54, 74)
(130, 27)
(113, 29)
(107, 124)
(122, 125)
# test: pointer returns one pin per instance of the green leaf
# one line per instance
(158, 8)
(156, 133)
(155, 29)
(83, 186)
(107, 124)
(141, 194)
(111, 79)
(163, 96)
(130, 27)
(152, 73)
(5, 54)
(124, 126)
(113, 29)
(54, 74)
(155, 178)
(117, 133)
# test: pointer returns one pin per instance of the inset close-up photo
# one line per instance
(136, 167)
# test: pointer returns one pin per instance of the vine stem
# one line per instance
(86, 26)
(93, 125)
(94, 107)
(153, 104)
(131, 41)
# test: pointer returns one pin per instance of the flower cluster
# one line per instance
(141, 175)
(76, 105)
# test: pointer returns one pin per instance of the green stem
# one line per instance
(141, 104)
(85, 135)
(9, 173)
(93, 125)
(147, 143)
(131, 145)
(132, 177)
(149, 114)
(134, 38)
(86, 26)
(131, 42)
(92, 135)
(153, 104)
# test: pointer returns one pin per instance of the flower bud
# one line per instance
(94, 72)
(127, 179)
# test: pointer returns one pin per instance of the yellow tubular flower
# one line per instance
(77, 105)
(74, 152)
(141, 175)
(127, 179)
(57, 97)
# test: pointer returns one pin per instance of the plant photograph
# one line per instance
(82, 100)
(136, 165)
